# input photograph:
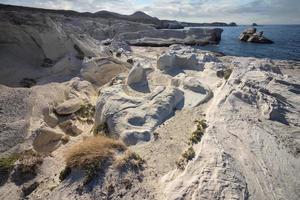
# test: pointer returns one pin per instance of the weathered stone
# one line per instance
(68, 107)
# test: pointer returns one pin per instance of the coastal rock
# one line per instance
(156, 38)
(68, 107)
(250, 35)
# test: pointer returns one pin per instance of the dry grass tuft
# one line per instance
(91, 150)
(90, 155)
(130, 160)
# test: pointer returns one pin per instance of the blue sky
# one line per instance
(240, 11)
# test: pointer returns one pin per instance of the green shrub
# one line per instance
(199, 132)
(7, 163)
(64, 173)
(227, 73)
(86, 113)
(189, 154)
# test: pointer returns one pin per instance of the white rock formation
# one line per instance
(136, 75)
(239, 157)
(181, 58)
(100, 71)
(134, 118)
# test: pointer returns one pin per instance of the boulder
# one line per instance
(250, 35)
(68, 107)
(70, 128)
(136, 75)
(172, 59)
(46, 139)
(49, 117)
(163, 37)
(100, 71)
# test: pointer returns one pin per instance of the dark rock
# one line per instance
(254, 24)
(220, 73)
(250, 35)
(47, 62)
(27, 189)
(28, 82)
(130, 60)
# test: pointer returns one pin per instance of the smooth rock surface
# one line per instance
(68, 107)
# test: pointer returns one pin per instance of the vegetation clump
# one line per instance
(130, 160)
(188, 155)
(64, 173)
(86, 113)
(198, 133)
(92, 153)
(227, 73)
(6, 166)
(156, 135)
(101, 129)
(26, 167)
(195, 138)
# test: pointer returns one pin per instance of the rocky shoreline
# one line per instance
(89, 109)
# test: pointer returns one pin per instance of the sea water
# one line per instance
(286, 42)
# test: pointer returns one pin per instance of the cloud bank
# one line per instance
(240, 11)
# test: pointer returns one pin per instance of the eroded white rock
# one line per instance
(136, 75)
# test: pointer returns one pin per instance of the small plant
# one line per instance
(86, 113)
(156, 135)
(227, 73)
(101, 129)
(181, 163)
(199, 132)
(26, 167)
(7, 164)
(130, 160)
(196, 137)
(90, 171)
(64, 173)
(189, 154)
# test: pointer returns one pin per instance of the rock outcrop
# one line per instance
(158, 38)
(250, 35)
